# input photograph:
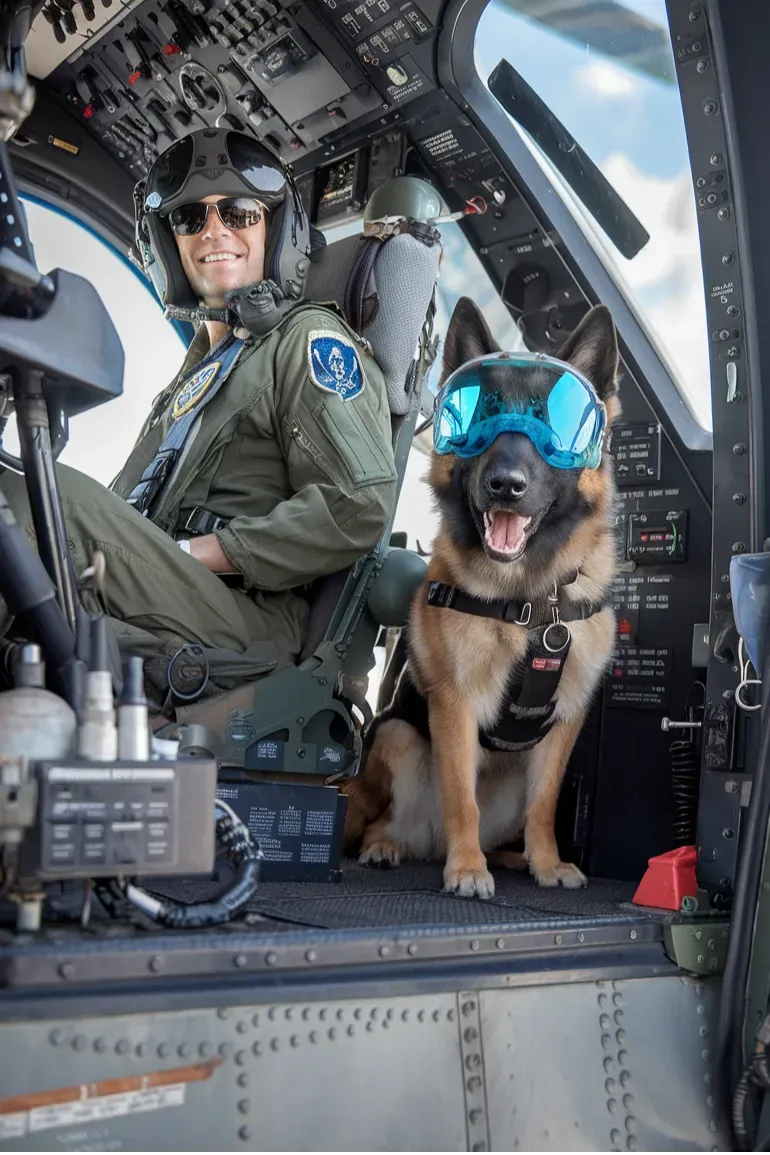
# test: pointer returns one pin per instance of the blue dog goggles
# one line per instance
(566, 423)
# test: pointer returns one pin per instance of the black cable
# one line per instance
(732, 1008)
(234, 838)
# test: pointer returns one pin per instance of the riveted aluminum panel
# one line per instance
(383, 1074)
(622, 1066)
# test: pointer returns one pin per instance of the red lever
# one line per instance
(170, 49)
(668, 879)
(135, 76)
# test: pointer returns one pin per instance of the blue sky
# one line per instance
(552, 64)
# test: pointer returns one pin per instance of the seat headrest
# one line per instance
(384, 290)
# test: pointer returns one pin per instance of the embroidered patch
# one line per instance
(334, 364)
(194, 388)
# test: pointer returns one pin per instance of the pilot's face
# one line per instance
(218, 259)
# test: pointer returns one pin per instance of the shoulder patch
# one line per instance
(194, 388)
(334, 364)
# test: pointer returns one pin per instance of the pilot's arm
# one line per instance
(333, 422)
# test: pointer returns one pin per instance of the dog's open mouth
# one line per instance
(505, 533)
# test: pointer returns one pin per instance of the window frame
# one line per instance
(113, 240)
(458, 75)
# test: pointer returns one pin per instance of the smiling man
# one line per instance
(267, 460)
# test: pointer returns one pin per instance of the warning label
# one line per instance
(639, 679)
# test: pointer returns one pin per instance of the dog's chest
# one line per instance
(486, 656)
(489, 659)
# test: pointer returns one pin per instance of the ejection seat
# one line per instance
(300, 720)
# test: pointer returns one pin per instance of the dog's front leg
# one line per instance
(454, 739)
(545, 771)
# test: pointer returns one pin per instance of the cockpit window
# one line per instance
(101, 439)
(606, 72)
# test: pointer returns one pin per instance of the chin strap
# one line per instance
(256, 308)
(200, 314)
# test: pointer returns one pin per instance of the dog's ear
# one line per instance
(593, 349)
(467, 336)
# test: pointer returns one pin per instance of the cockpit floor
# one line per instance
(411, 896)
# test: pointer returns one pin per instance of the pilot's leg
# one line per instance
(151, 584)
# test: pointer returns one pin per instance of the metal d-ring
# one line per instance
(546, 632)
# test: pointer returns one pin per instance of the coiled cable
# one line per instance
(234, 839)
(684, 758)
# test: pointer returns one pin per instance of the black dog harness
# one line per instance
(527, 714)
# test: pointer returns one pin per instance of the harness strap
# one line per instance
(199, 521)
(528, 710)
(355, 290)
(529, 613)
(198, 389)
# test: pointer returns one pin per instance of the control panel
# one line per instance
(657, 537)
(99, 821)
(636, 449)
(626, 807)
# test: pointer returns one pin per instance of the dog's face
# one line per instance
(508, 501)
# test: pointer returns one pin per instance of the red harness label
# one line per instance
(549, 664)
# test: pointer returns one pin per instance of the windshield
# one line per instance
(609, 78)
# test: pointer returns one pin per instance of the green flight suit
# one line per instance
(306, 478)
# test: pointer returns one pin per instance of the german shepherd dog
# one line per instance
(548, 531)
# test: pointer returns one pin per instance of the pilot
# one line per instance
(267, 460)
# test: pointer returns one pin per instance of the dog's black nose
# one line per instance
(507, 484)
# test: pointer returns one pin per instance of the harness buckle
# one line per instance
(553, 601)
(440, 594)
(526, 615)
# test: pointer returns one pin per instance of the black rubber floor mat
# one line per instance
(411, 896)
(412, 909)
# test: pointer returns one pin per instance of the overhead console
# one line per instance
(344, 90)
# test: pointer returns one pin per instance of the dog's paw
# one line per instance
(383, 854)
(469, 882)
(564, 874)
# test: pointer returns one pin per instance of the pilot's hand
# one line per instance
(207, 549)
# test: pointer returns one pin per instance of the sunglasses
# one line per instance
(234, 212)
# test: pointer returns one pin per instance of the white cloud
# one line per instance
(606, 79)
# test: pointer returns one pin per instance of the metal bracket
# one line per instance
(698, 947)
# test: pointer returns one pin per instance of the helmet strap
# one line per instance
(259, 307)
(256, 308)
(199, 314)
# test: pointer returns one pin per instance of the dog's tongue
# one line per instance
(505, 531)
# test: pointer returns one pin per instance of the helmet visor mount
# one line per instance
(180, 177)
(561, 415)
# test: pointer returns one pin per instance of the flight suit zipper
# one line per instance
(304, 443)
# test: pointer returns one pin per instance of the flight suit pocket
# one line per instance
(344, 426)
